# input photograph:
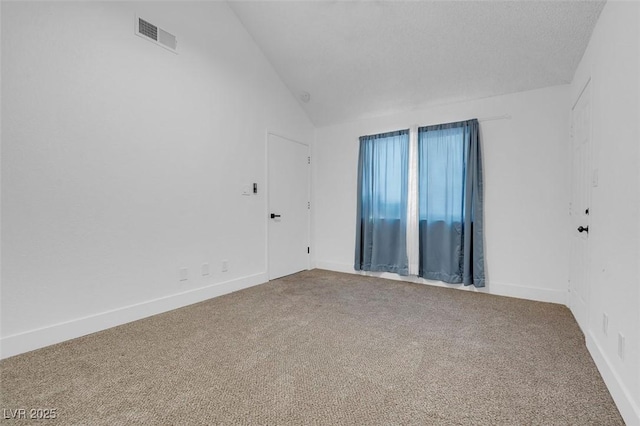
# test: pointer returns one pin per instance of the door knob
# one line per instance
(583, 229)
(273, 216)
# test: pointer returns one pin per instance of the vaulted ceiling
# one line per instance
(367, 58)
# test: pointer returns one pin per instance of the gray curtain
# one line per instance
(381, 227)
(450, 202)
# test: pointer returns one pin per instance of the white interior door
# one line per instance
(288, 180)
(580, 200)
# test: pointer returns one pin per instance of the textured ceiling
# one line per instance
(367, 58)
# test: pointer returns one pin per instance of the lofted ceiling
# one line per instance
(367, 58)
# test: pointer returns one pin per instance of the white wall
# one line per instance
(526, 188)
(612, 62)
(123, 162)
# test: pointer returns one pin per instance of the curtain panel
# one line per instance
(381, 228)
(450, 199)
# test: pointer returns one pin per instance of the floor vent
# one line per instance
(151, 32)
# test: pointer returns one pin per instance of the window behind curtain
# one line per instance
(450, 203)
(382, 203)
(441, 174)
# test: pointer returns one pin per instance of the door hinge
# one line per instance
(308, 160)
(308, 205)
(307, 250)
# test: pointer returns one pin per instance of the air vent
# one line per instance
(156, 35)
(168, 40)
(147, 29)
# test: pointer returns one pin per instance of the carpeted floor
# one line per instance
(323, 348)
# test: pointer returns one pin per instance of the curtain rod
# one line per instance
(496, 117)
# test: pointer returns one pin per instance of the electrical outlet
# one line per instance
(225, 265)
(184, 274)
(205, 269)
(605, 323)
(621, 346)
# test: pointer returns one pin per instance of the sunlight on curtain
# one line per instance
(412, 207)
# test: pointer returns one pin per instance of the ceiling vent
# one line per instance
(156, 35)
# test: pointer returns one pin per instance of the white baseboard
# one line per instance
(39, 338)
(621, 395)
(530, 293)
(336, 267)
(496, 288)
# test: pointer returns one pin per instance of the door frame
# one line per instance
(590, 175)
(269, 133)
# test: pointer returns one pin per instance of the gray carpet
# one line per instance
(324, 348)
